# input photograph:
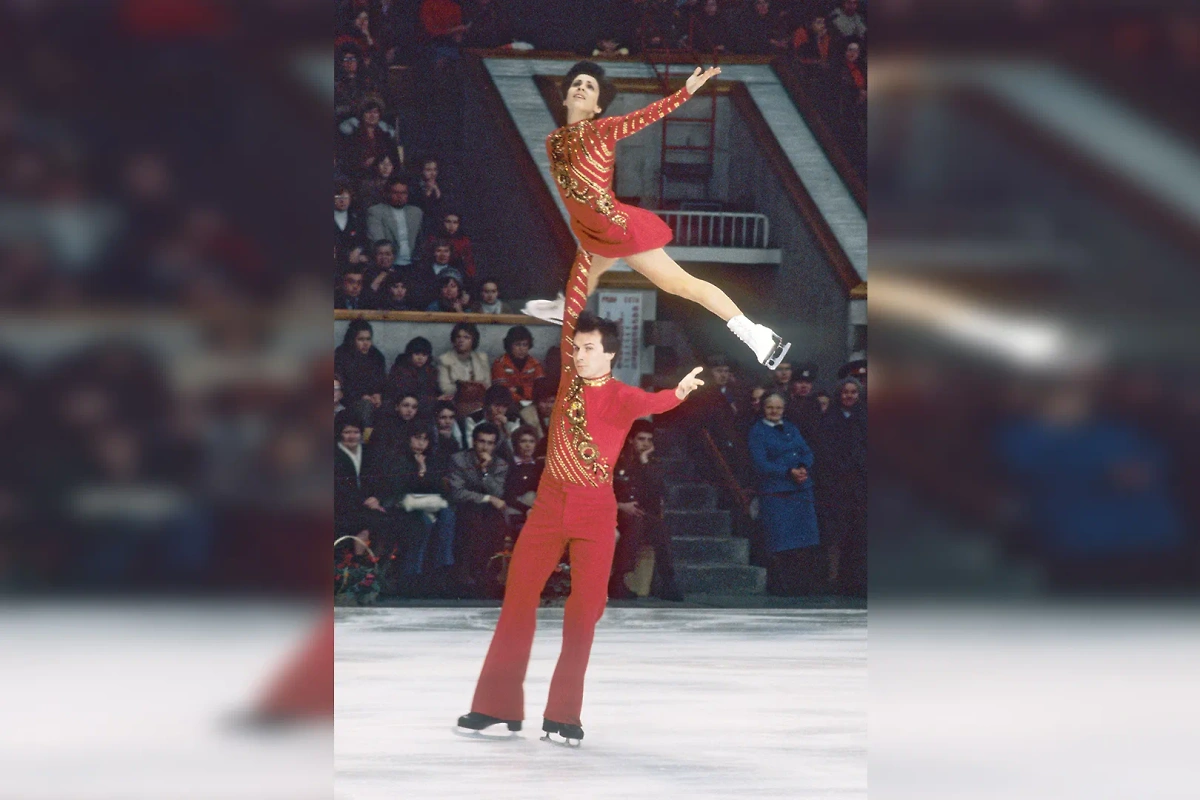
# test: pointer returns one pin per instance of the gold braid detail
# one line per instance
(582, 444)
(574, 185)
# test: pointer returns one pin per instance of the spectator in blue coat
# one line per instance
(786, 506)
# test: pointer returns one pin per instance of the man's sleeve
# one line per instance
(639, 403)
(456, 482)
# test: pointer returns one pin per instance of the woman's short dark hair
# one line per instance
(497, 394)
(524, 430)
(517, 333)
(418, 344)
(443, 405)
(354, 328)
(608, 92)
(610, 334)
(470, 328)
(346, 418)
(446, 280)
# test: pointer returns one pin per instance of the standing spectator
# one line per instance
(782, 380)
(476, 488)
(461, 255)
(442, 22)
(413, 372)
(450, 294)
(372, 190)
(348, 228)
(852, 90)
(842, 461)
(489, 25)
(396, 221)
(367, 140)
(856, 369)
(813, 45)
(449, 434)
(428, 194)
(716, 411)
(822, 401)
(762, 32)
(803, 411)
(350, 293)
(537, 416)
(489, 301)
(782, 460)
(464, 371)
(638, 485)
(710, 29)
(516, 369)
(848, 23)
(361, 365)
(351, 82)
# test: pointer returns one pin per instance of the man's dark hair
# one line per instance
(378, 243)
(610, 334)
(608, 92)
(498, 394)
(341, 187)
(640, 426)
(446, 280)
(485, 427)
(346, 418)
(544, 387)
(401, 179)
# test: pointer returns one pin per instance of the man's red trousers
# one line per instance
(586, 518)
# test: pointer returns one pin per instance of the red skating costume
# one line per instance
(581, 160)
(576, 505)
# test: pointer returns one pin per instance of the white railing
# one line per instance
(717, 228)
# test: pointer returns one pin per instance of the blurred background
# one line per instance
(1035, 237)
(164, 508)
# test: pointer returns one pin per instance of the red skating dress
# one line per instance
(581, 160)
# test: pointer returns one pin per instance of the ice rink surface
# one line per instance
(687, 703)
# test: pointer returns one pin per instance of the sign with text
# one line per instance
(625, 308)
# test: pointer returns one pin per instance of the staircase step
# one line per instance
(706, 522)
(690, 496)
(724, 579)
(678, 467)
(710, 550)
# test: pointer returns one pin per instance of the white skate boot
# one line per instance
(768, 348)
(549, 310)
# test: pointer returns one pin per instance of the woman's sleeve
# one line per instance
(486, 369)
(445, 382)
(806, 453)
(631, 123)
(763, 463)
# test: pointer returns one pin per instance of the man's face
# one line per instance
(590, 359)
(783, 374)
(451, 223)
(363, 341)
(351, 436)
(430, 171)
(384, 256)
(398, 195)
(520, 349)
(445, 419)
(407, 408)
(489, 292)
(643, 441)
(484, 444)
(756, 396)
(801, 387)
(341, 201)
(371, 118)
(525, 445)
(849, 395)
(773, 408)
(352, 283)
(441, 254)
(720, 375)
(852, 52)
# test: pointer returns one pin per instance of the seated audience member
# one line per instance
(383, 256)
(337, 394)
(847, 22)
(351, 82)
(350, 293)
(787, 510)
(348, 226)
(413, 372)
(357, 512)
(361, 365)
(464, 370)
(476, 488)
(443, 27)
(762, 31)
(638, 485)
(814, 45)
(852, 85)
(537, 415)
(427, 275)
(516, 369)
(395, 421)
(710, 29)
(450, 434)
(450, 293)
(393, 293)
(397, 221)
(497, 409)
(524, 473)
(461, 255)
(367, 140)
(372, 190)
(489, 301)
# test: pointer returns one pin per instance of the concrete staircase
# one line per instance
(709, 559)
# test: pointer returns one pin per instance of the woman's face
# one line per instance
(419, 359)
(450, 292)
(398, 290)
(384, 167)
(583, 96)
(451, 223)
(852, 52)
(349, 63)
(462, 342)
(418, 443)
(526, 445)
(773, 409)
(407, 408)
(363, 341)
(362, 21)
(430, 171)
(371, 117)
(520, 349)
(445, 420)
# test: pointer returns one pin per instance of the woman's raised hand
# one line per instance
(699, 78)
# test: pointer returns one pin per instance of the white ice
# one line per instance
(693, 703)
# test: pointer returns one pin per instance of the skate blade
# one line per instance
(483, 735)
(561, 741)
(777, 355)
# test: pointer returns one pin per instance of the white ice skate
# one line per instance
(549, 310)
(768, 348)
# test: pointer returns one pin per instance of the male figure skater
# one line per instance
(575, 505)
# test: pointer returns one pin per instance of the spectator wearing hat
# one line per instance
(516, 369)
(842, 462)
(856, 369)
(717, 405)
(803, 410)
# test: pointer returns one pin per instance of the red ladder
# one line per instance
(691, 169)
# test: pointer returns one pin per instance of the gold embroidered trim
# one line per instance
(573, 183)
(594, 467)
(597, 381)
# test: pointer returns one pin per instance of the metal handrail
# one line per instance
(718, 228)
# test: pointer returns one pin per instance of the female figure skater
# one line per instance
(582, 155)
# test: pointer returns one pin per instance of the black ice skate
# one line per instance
(563, 733)
(478, 722)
